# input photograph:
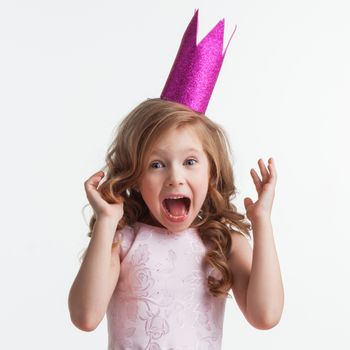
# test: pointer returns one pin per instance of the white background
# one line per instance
(71, 70)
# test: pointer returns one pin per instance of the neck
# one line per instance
(150, 220)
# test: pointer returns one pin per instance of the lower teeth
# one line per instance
(176, 216)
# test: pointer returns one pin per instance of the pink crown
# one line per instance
(196, 67)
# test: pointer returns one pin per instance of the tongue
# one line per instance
(176, 207)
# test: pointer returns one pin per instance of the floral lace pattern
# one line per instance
(161, 301)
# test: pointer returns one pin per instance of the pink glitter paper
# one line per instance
(196, 67)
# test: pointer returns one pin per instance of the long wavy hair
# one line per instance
(126, 158)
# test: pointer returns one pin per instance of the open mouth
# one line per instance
(176, 208)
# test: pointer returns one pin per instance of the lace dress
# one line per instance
(161, 301)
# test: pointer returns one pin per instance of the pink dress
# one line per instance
(161, 301)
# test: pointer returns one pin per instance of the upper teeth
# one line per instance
(175, 197)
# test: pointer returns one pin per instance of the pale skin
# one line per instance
(258, 287)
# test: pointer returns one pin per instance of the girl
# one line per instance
(155, 285)
(167, 244)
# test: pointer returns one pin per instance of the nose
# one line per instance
(175, 176)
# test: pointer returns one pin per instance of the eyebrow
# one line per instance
(191, 149)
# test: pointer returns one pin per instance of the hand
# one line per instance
(266, 191)
(101, 207)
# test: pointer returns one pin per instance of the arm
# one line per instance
(257, 282)
(265, 296)
(98, 275)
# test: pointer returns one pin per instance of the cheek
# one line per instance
(149, 186)
(201, 186)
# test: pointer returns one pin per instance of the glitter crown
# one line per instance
(196, 67)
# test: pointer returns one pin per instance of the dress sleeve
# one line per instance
(118, 237)
(124, 238)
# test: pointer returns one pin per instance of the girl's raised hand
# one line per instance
(266, 191)
(101, 207)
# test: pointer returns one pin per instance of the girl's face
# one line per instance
(177, 165)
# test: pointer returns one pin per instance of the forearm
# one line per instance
(89, 292)
(265, 295)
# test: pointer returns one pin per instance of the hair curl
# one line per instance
(126, 157)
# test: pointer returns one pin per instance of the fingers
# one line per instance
(272, 169)
(256, 179)
(94, 179)
(268, 175)
(265, 174)
(247, 202)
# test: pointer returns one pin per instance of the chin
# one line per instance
(177, 226)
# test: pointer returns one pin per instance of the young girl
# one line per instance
(167, 244)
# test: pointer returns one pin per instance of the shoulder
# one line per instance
(240, 263)
(123, 233)
(239, 240)
(123, 240)
(240, 255)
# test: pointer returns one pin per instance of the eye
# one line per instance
(158, 164)
(191, 159)
(155, 163)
